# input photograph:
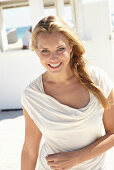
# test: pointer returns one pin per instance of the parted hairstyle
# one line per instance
(52, 24)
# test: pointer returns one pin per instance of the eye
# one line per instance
(44, 51)
(61, 49)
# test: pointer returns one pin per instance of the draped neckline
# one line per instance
(61, 104)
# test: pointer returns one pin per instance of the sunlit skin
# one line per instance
(54, 48)
(60, 82)
(63, 85)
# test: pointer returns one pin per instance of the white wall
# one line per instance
(112, 6)
(99, 46)
(98, 56)
(97, 20)
(17, 69)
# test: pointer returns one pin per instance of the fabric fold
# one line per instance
(65, 128)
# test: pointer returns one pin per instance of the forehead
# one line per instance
(51, 39)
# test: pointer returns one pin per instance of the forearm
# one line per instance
(27, 161)
(98, 147)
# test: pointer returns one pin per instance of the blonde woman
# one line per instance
(70, 105)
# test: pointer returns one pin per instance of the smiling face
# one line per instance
(54, 52)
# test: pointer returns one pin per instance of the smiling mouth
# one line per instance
(55, 65)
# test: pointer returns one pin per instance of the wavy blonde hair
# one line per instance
(77, 62)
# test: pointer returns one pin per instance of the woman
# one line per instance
(70, 105)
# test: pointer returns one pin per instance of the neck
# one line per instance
(61, 78)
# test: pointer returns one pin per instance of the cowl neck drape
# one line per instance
(65, 128)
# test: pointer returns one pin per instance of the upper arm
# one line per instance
(32, 135)
(108, 115)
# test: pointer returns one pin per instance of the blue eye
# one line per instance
(44, 51)
(61, 49)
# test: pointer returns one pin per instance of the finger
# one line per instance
(52, 163)
(50, 157)
(57, 168)
(53, 167)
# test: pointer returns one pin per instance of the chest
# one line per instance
(74, 95)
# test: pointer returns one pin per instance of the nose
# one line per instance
(53, 56)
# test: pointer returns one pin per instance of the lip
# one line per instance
(55, 63)
(54, 67)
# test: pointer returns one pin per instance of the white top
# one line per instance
(26, 38)
(65, 128)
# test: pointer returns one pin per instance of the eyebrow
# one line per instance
(47, 48)
(60, 46)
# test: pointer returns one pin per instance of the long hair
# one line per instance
(77, 62)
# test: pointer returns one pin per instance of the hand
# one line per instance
(63, 160)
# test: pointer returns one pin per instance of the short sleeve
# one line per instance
(102, 80)
(27, 103)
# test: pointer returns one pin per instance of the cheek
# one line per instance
(66, 55)
(43, 58)
(43, 62)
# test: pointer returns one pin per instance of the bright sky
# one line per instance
(20, 17)
(17, 17)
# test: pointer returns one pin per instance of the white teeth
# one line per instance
(54, 65)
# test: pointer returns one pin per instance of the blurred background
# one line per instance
(93, 20)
